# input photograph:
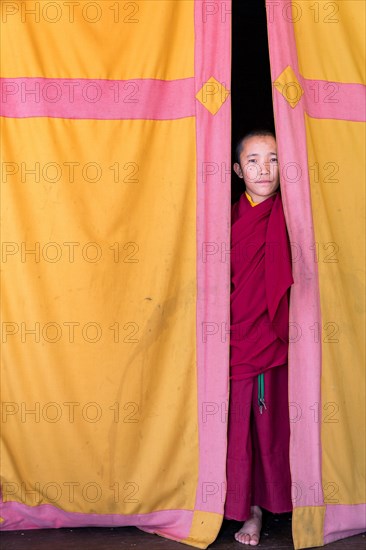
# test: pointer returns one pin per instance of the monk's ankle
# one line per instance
(256, 511)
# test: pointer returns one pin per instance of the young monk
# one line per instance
(258, 472)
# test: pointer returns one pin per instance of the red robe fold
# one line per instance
(261, 278)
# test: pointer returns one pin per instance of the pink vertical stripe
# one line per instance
(304, 352)
(212, 58)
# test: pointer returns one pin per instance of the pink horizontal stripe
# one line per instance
(334, 100)
(344, 521)
(97, 99)
(174, 524)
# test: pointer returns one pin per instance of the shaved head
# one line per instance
(254, 133)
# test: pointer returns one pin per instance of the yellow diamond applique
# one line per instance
(212, 95)
(288, 85)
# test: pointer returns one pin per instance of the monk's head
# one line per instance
(256, 163)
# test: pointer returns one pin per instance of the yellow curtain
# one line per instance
(319, 99)
(103, 386)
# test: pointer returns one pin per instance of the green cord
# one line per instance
(261, 402)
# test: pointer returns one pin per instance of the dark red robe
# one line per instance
(258, 470)
(261, 278)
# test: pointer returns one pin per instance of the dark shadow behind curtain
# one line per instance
(251, 92)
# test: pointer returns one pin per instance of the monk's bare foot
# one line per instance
(251, 530)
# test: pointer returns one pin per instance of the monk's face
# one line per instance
(259, 167)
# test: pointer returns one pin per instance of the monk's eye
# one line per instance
(252, 160)
(274, 159)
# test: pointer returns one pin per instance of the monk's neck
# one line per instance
(254, 200)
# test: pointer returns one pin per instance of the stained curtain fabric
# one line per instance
(115, 268)
(317, 54)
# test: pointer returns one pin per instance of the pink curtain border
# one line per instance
(174, 524)
(213, 58)
(304, 354)
(343, 521)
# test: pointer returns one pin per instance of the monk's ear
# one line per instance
(238, 170)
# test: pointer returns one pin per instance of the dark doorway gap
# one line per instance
(251, 86)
